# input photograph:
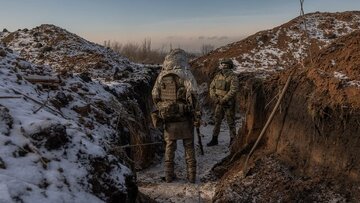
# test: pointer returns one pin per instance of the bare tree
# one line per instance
(131, 50)
(142, 53)
(107, 43)
(206, 48)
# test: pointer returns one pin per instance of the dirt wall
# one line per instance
(314, 147)
(323, 141)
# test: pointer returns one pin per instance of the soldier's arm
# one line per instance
(212, 89)
(234, 88)
(156, 92)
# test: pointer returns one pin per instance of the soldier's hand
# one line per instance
(197, 123)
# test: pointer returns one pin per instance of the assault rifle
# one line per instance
(199, 139)
(197, 123)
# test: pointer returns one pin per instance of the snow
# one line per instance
(334, 26)
(33, 173)
(23, 175)
(270, 56)
(346, 79)
(4, 194)
(340, 76)
(355, 83)
(333, 63)
(150, 180)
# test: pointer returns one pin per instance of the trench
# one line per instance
(302, 157)
(151, 180)
(150, 173)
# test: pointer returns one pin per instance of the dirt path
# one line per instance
(150, 180)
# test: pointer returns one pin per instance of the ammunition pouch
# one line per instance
(220, 85)
(173, 111)
(221, 88)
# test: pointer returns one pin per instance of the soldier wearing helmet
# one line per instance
(175, 96)
(223, 90)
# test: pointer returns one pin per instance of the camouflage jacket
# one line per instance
(224, 86)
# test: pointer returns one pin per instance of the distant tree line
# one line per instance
(140, 53)
(206, 48)
(143, 53)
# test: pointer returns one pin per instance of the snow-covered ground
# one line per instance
(31, 172)
(283, 47)
(58, 144)
(152, 184)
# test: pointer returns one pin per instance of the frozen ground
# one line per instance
(151, 181)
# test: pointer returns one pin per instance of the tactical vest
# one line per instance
(173, 105)
(221, 85)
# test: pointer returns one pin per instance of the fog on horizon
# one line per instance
(185, 24)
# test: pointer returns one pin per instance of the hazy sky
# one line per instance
(183, 23)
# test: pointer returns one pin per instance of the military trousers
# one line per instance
(229, 112)
(189, 156)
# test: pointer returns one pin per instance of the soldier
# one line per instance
(223, 90)
(175, 96)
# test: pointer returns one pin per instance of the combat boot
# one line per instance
(191, 176)
(191, 179)
(170, 177)
(169, 172)
(213, 142)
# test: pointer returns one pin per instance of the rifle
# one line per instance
(197, 116)
(199, 140)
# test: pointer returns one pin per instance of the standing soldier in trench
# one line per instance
(223, 90)
(175, 96)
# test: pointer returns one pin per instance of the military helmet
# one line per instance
(229, 62)
(176, 59)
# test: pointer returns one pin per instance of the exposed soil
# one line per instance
(314, 136)
(273, 181)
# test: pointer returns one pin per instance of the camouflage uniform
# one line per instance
(223, 90)
(175, 96)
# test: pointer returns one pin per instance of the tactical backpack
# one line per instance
(173, 105)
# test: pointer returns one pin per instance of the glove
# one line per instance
(197, 123)
(197, 120)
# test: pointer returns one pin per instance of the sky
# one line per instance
(186, 24)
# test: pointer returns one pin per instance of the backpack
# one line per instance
(173, 105)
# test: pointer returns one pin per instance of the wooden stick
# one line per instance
(10, 97)
(40, 103)
(42, 106)
(138, 145)
(267, 122)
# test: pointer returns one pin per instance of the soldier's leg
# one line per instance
(190, 159)
(230, 118)
(219, 115)
(169, 158)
